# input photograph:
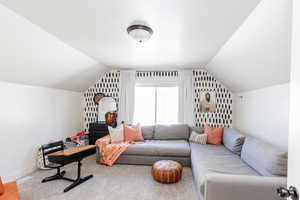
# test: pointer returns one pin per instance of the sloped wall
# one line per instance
(203, 81)
(32, 56)
(258, 53)
(264, 114)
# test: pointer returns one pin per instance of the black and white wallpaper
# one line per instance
(203, 81)
(108, 85)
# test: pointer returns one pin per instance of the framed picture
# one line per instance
(208, 102)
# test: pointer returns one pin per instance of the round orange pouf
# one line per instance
(167, 171)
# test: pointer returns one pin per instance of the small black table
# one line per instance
(68, 156)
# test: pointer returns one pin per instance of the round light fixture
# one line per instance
(140, 33)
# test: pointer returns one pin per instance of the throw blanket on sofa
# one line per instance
(110, 152)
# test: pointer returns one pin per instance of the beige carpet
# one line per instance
(110, 183)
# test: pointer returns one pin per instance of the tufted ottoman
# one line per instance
(167, 171)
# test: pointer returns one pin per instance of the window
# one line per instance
(156, 105)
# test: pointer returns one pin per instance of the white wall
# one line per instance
(31, 116)
(264, 113)
(294, 135)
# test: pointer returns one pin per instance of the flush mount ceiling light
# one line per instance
(140, 33)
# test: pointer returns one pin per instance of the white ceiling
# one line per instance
(30, 55)
(258, 54)
(186, 33)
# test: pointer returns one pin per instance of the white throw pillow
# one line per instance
(198, 138)
(116, 134)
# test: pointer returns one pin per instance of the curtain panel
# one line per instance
(186, 97)
(127, 95)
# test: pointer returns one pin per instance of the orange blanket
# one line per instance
(110, 152)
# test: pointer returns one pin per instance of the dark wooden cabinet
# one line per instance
(97, 130)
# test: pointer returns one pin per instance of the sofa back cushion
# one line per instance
(171, 132)
(148, 132)
(264, 158)
(233, 140)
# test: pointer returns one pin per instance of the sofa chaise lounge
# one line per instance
(242, 168)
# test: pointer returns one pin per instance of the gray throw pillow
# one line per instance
(264, 158)
(233, 140)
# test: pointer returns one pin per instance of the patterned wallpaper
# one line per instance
(107, 84)
(202, 80)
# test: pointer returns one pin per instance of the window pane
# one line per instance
(167, 105)
(144, 111)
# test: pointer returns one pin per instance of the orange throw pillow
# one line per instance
(133, 133)
(214, 135)
(11, 192)
(1, 187)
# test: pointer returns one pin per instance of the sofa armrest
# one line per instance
(241, 187)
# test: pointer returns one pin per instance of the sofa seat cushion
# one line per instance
(180, 148)
(208, 159)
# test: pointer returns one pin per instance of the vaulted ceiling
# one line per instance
(186, 33)
(68, 44)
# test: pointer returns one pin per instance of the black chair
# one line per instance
(51, 148)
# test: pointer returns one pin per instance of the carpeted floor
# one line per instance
(110, 183)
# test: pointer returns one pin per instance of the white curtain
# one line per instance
(126, 94)
(186, 97)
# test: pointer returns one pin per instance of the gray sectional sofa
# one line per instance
(244, 168)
